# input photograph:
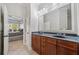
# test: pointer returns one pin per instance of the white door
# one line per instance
(6, 36)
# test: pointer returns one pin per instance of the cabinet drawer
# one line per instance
(67, 44)
(51, 40)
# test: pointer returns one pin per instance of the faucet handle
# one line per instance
(63, 34)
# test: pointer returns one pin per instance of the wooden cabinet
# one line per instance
(43, 45)
(36, 43)
(60, 50)
(52, 46)
(66, 47)
(70, 47)
(70, 52)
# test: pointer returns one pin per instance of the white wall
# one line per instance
(16, 9)
(77, 18)
(26, 30)
(74, 17)
(34, 18)
(41, 23)
(32, 22)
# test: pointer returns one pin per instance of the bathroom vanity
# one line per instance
(60, 20)
(48, 44)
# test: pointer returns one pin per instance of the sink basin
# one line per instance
(60, 36)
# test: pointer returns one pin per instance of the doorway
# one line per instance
(16, 28)
(16, 14)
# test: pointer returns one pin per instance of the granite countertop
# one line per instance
(68, 38)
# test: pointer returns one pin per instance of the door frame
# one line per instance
(5, 29)
(24, 32)
(2, 32)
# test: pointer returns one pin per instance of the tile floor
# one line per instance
(17, 48)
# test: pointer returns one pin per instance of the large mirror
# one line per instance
(56, 20)
(65, 21)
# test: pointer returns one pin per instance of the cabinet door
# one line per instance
(36, 43)
(60, 50)
(43, 51)
(70, 52)
(33, 41)
(50, 46)
(66, 47)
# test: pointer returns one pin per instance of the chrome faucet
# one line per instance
(61, 34)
